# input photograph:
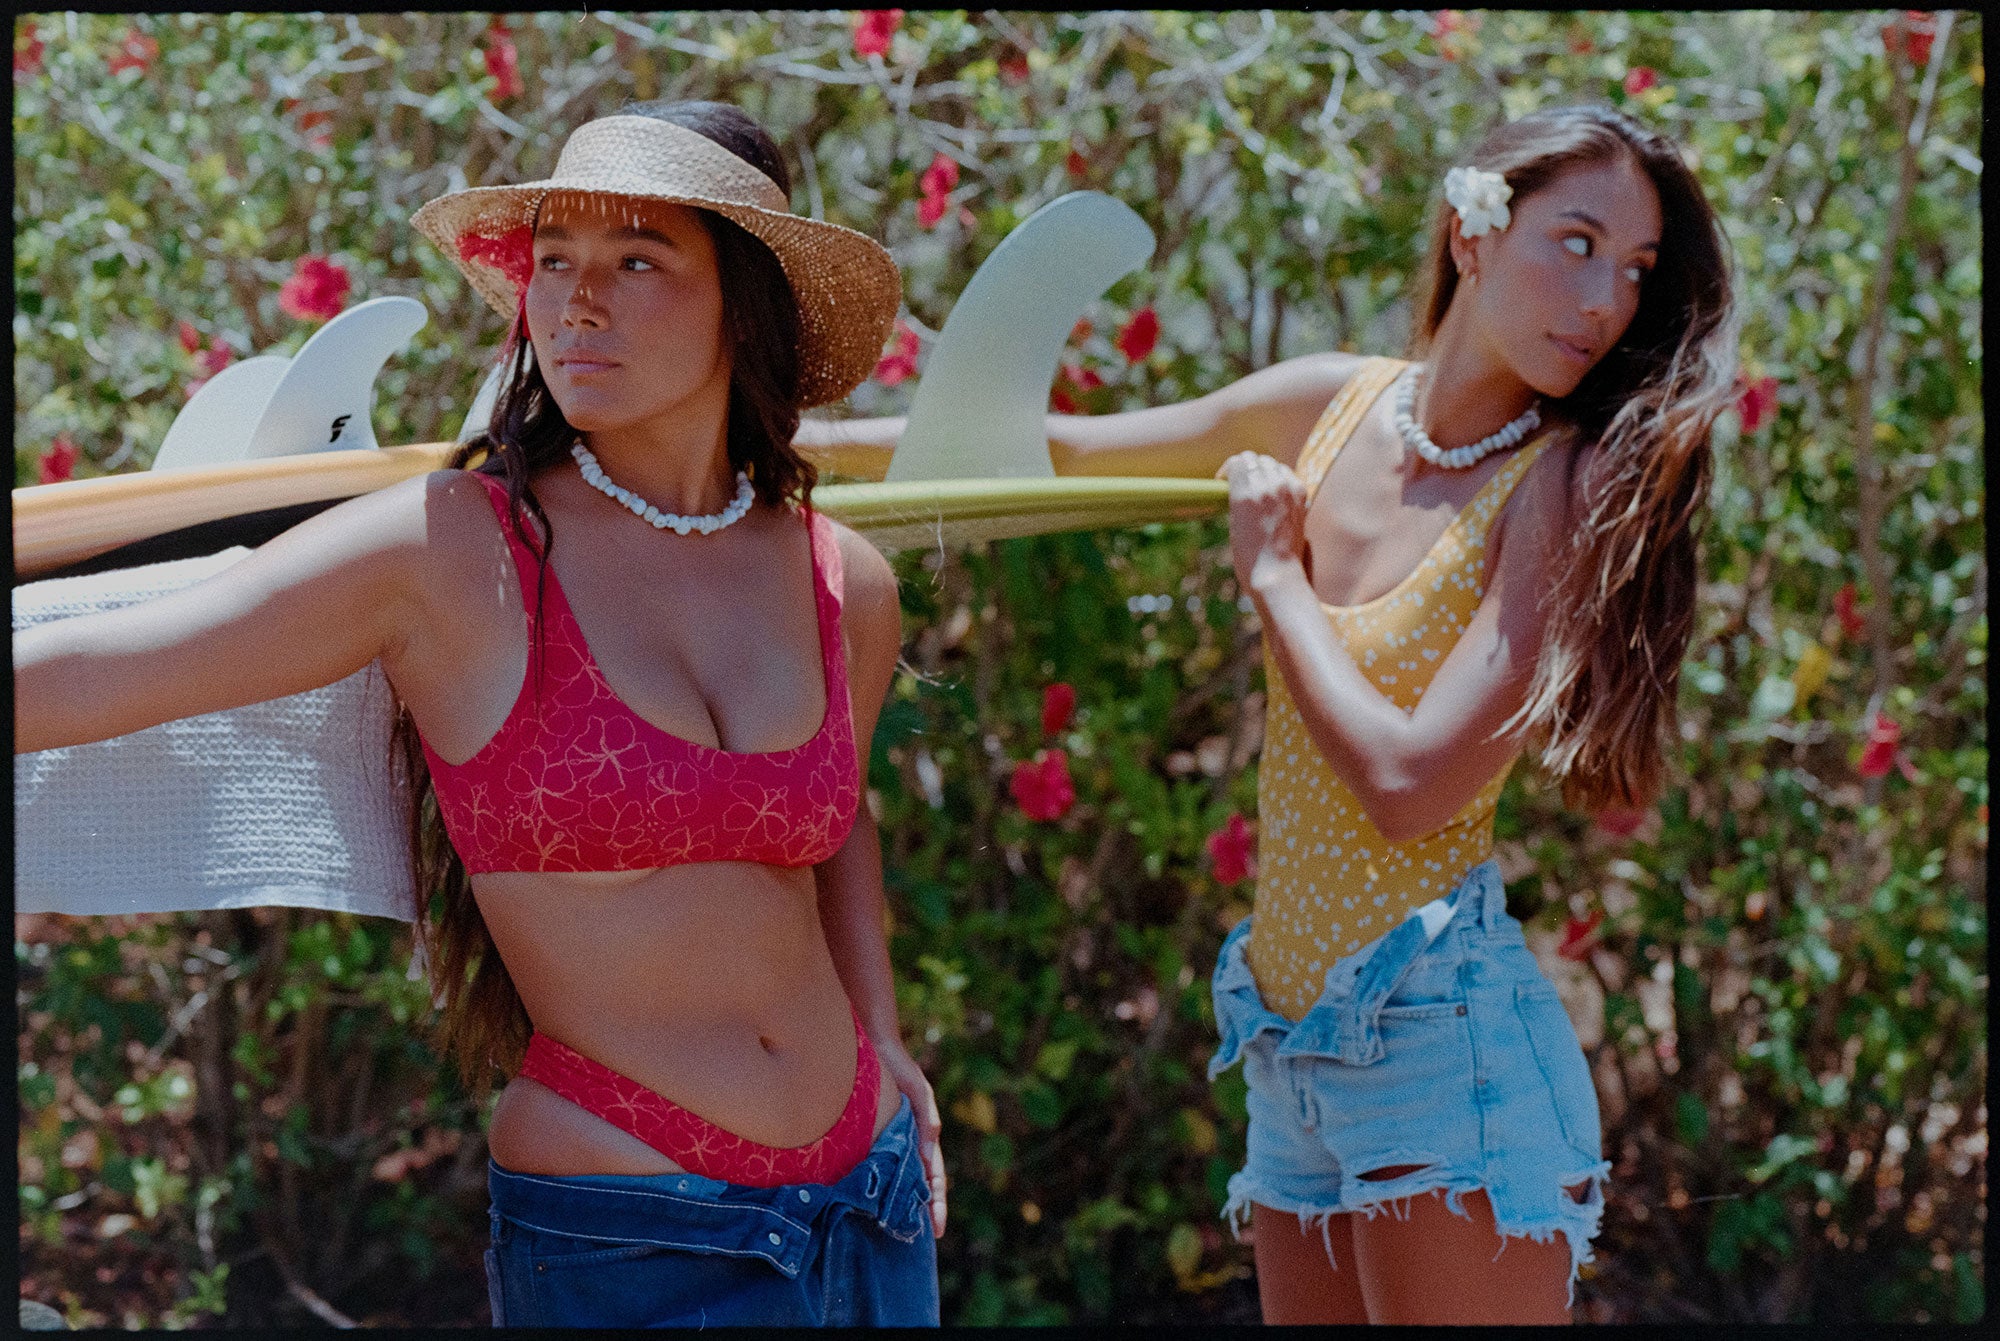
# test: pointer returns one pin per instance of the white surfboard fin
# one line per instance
(320, 399)
(978, 412)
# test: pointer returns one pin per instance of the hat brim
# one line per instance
(846, 285)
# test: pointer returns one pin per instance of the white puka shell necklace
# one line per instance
(1458, 458)
(594, 476)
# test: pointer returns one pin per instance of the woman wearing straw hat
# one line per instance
(636, 671)
(1449, 558)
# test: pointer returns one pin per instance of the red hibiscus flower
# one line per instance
(1640, 78)
(512, 253)
(1852, 624)
(1058, 706)
(314, 124)
(1042, 787)
(136, 51)
(1139, 334)
(1076, 165)
(190, 338)
(58, 463)
(1620, 821)
(316, 291)
(1758, 403)
(873, 28)
(1229, 850)
(901, 361)
(1579, 934)
(503, 61)
(1917, 28)
(1878, 755)
(28, 55)
(1060, 400)
(1014, 68)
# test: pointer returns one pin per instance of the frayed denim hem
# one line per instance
(1243, 1189)
(1577, 1220)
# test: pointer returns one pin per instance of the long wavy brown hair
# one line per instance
(482, 1024)
(1600, 708)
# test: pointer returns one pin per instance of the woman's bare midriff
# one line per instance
(710, 984)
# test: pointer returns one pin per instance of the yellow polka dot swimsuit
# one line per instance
(1328, 883)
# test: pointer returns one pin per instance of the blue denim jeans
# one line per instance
(1441, 1045)
(679, 1250)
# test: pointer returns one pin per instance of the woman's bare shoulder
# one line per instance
(1308, 381)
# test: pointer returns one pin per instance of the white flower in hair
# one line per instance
(1480, 197)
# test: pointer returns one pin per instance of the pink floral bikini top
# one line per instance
(574, 780)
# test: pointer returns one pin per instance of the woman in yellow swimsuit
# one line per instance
(1450, 559)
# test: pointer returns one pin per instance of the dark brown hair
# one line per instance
(482, 1024)
(1621, 610)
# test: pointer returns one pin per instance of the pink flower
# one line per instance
(1229, 852)
(1879, 753)
(28, 55)
(190, 338)
(1014, 69)
(901, 361)
(1640, 78)
(936, 183)
(940, 177)
(58, 463)
(1851, 623)
(503, 61)
(136, 51)
(1138, 335)
(1042, 788)
(316, 291)
(1058, 706)
(215, 358)
(872, 30)
(1758, 403)
(1620, 821)
(1579, 934)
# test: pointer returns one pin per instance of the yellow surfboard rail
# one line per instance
(60, 524)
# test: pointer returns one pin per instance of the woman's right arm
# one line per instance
(308, 608)
(1270, 411)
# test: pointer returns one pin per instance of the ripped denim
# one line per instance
(1440, 1044)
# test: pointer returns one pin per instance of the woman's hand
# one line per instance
(909, 1078)
(1267, 519)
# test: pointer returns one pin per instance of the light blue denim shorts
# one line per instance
(1439, 1044)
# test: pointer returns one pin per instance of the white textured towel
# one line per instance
(289, 802)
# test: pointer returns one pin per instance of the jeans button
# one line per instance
(805, 1196)
(684, 1182)
(1461, 1010)
(775, 1239)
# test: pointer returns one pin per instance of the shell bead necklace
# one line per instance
(594, 476)
(1458, 458)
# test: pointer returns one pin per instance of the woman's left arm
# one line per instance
(1411, 771)
(851, 906)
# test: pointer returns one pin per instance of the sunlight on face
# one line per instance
(1560, 286)
(624, 309)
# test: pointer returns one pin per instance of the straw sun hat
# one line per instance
(846, 286)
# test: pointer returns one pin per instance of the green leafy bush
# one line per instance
(236, 1117)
